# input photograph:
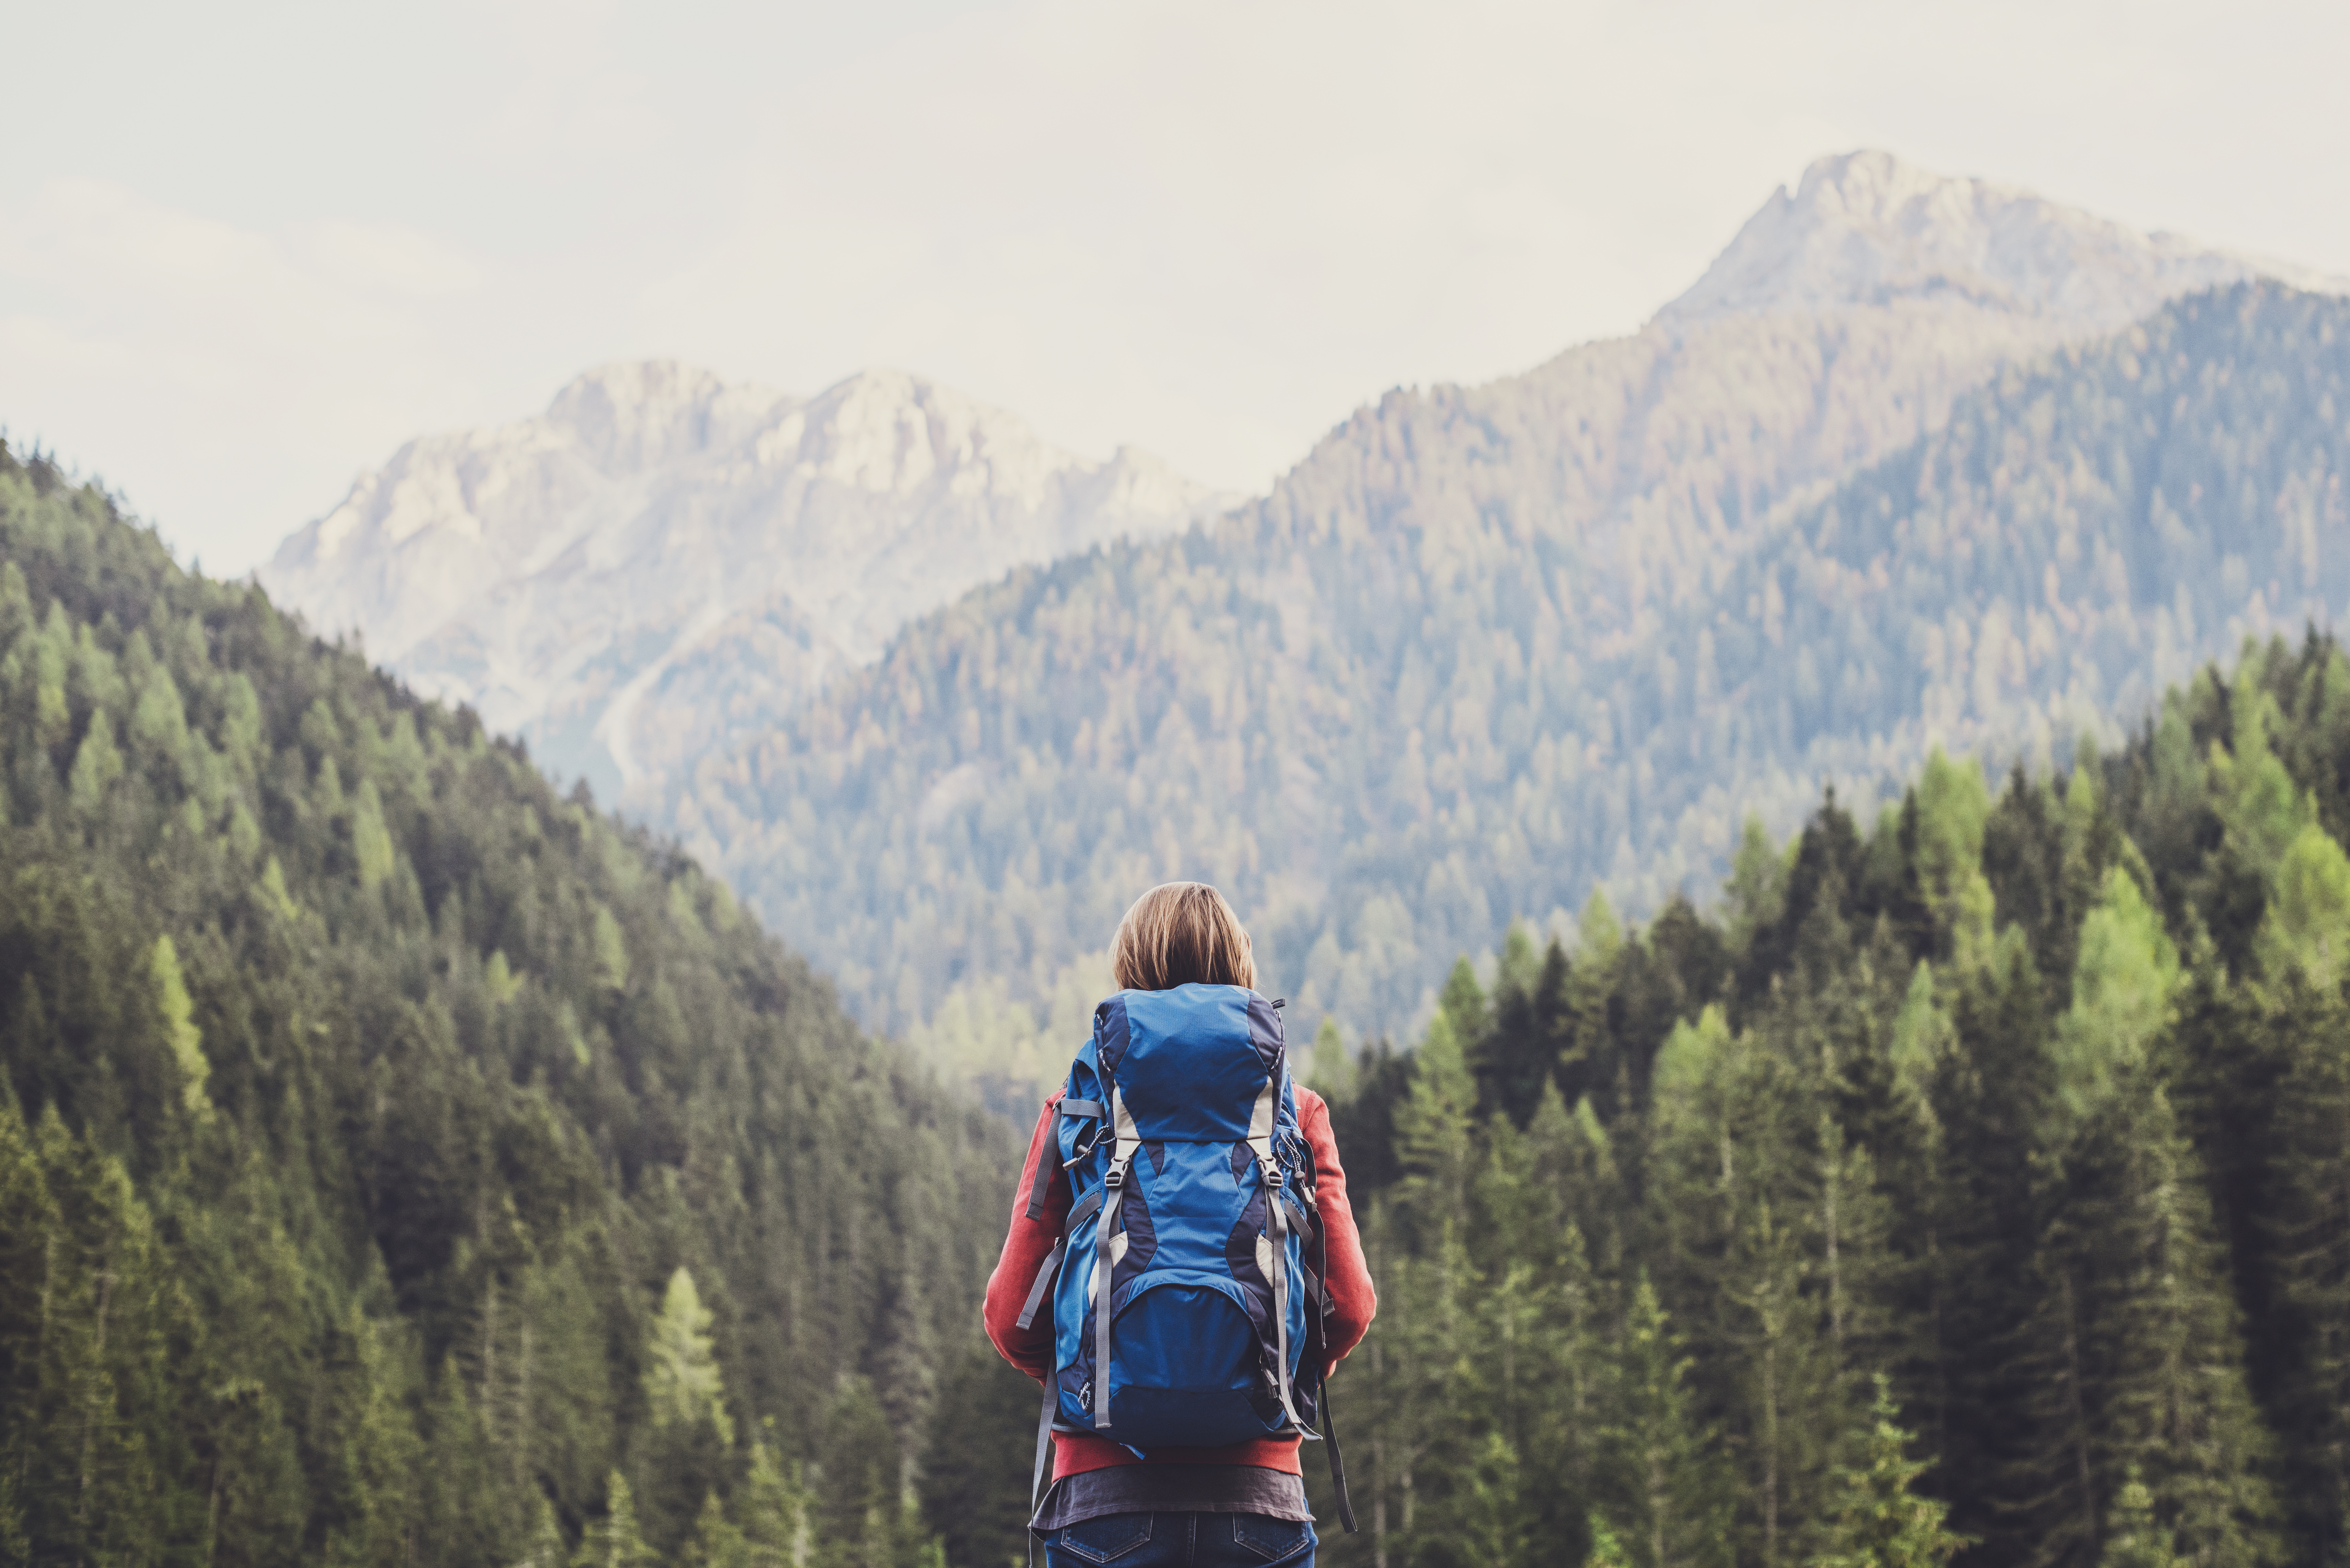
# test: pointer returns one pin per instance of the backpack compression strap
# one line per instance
(1124, 1144)
(1079, 1110)
(1276, 1214)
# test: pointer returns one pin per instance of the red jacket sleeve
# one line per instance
(1025, 1246)
(1353, 1301)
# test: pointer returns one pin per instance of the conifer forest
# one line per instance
(404, 1162)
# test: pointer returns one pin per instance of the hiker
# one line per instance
(1233, 1271)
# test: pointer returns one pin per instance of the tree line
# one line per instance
(1971, 1183)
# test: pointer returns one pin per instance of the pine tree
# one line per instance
(716, 1542)
(1666, 1492)
(1878, 1518)
(859, 1514)
(613, 1541)
(545, 1547)
(185, 1039)
(774, 1512)
(975, 1467)
(2134, 1537)
(682, 1384)
(2312, 1162)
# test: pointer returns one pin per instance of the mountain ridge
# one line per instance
(554, 571)
(1864, 227)
(1388, 732)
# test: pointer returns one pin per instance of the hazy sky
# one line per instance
(246, 250)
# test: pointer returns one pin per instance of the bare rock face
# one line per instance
(664, 561)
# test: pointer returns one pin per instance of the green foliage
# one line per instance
(682, 1387)
(614, 1541)
(180, 1032)
(2308, 921)
(2122, 988)
(1881, 1520)
(399, 1161)
(975, 1466)
(2137, 1537)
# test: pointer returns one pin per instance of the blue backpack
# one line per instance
(1183, 1304)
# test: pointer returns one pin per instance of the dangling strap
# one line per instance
(1037, 1477)
(1329, 1419)
(1122, 1152)
(1337, 1459)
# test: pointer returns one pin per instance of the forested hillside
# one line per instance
(1460, 668)
(400, 1163)
(2033, 1102)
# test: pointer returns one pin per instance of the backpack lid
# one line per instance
(1189, 1062)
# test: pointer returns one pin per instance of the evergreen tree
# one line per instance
(975, 1463)
(1666, 1488)
(2137, 1537)
(774, 1512)
(1879, 1518)
(613, 1541)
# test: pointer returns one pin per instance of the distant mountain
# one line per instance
(664, 560)
(1485, 649)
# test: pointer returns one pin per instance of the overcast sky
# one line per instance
(246, 250)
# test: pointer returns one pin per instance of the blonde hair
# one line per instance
(1180, 933)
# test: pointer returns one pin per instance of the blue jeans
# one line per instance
(1181, 1541)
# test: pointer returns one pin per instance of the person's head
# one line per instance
(1181, 933)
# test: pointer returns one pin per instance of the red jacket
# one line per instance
(1352, 1299)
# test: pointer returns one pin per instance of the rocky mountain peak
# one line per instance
(633, 414)
(1866, 228)
(665, 556)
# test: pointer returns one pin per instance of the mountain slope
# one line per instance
(1389, 718)
(393, 1151)
(664, 560)
(1404, 696)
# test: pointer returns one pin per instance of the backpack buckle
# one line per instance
(1115, 1176)
(1272, 1172)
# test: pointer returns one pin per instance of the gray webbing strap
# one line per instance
(1077, 1110)
(1044, 1279)
(1045, 1168)
(1115, 1184)
(1277, 1210)
(1084, 1208)
(1122, 1152)
(1315, 1294)
(1262, 1121)
(1036, 1478)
